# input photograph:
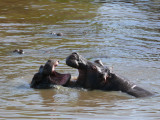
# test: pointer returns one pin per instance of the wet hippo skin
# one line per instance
(94, 75)
(46, 77)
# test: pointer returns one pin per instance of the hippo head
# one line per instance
(55, 77)
(76, 61)
(47, 76)
(49, 67)
(92, 75)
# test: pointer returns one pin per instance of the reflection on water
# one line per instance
(124, 34)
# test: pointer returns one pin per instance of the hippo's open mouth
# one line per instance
(55, 77)
(47, 76)
(59, 79)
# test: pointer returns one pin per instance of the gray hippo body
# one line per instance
(94, 75)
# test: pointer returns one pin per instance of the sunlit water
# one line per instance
(125, 35)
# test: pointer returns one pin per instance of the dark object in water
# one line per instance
(56, 34)
(18, 51)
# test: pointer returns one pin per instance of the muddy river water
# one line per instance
(124, 34)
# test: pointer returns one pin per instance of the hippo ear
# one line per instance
(41, 69)
(99, 62)
(72, 63)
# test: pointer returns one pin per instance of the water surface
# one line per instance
(125, 35)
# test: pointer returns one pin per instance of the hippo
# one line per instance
(56, 34)
(18, 51)
(94, 75)
(47, 77)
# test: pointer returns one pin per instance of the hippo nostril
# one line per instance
(49, 61)
(74, 53)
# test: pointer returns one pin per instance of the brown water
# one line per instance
(124, 34)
